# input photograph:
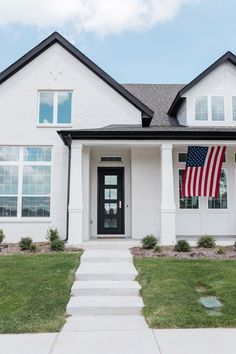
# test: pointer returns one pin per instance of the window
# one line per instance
(221, 201)
(31, 196)
(201, 108)
(182, 157)
(217, 108)
(55, 107)
(186, 203)
(234, 107)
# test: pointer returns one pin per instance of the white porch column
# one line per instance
(76, 197)
(168, 209)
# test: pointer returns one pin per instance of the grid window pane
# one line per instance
(46, 107)
(186, 203)
(182, 157)
(221, 201)
(37, 153)
(36, 180)
(234, 107)
(64, 107)
(8, 180)
(8, 206)
(9, 153)
(217, 107)
(201, 108)
(36, 206)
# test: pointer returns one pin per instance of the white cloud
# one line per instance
(102, 17)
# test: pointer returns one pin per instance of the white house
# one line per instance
(95, 158)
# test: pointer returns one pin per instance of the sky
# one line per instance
(135, 41)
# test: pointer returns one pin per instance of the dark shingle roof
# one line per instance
(159, 98)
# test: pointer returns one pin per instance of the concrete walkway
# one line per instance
(105, 317)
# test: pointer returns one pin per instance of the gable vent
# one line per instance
(111, 158)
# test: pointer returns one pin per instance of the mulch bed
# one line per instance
(42, 248)
(195, 253)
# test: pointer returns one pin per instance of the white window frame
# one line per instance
(213, 120)
(55, 109)
(208, 111)
(21, 163)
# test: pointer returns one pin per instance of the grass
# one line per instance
(34, 291)
(171, 290)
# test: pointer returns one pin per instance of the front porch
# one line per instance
(150, 203)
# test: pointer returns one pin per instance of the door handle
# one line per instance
(120, 204)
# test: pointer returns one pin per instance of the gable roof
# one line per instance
(159, 98)
(228, 56)
(55, 37)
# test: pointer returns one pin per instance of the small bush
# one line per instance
(33, 248)
(149, 242)
(182, 246)
(2, 235)
(221, 250)
(57, 245)
(52, 234)
(235, 244)
(158, 248)
(25, 243)
(206, 242)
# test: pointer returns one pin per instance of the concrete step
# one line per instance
(104, 323)
(104, 305)
(102, 256)
(105, 288)
(106, 271)
(102, 244)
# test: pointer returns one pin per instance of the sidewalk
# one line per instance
(147, 341)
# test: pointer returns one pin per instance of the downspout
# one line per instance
(69, 140)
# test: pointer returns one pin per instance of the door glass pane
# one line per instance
(110, 193)
(110, 223)
(46, 107)
(110, 208)
(111, 180)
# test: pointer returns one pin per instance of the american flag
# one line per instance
(202, 171)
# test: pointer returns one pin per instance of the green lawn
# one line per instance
(34, 291)
(172, 288)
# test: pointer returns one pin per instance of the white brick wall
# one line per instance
(95, 104)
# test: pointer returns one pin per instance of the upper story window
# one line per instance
(234, 108)
(201, 108)
(55, 107)
(217, 108)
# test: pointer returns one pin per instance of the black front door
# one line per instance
(110, 200)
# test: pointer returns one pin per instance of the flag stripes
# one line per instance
(202, 171)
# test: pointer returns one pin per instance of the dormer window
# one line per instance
(217, 108)
(55, 107)
(234, 108)
(201, 108)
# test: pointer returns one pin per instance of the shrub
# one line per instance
(182, 246)
(235, 244)
(149, 242)
(206, 242)
(2, 235)
(52, 234)
(57, 245)
(33, 248)
(221, 250)
(158, 248)
(25, 243)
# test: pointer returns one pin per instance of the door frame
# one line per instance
(122, 187)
